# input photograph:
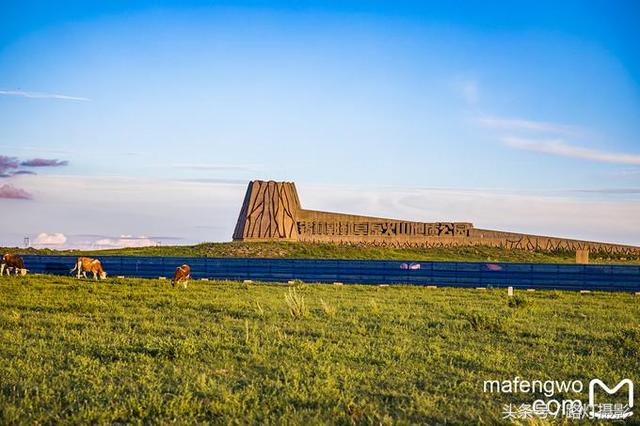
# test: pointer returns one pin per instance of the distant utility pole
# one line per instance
(27, 242)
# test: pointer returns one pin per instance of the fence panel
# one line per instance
(456, 274)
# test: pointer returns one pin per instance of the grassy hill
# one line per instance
(131, 351)
(335, 251)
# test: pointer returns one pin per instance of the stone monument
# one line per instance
(272, 211)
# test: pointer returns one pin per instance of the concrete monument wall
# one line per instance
(272, 211)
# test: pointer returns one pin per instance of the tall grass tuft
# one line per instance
(259, 310)
(485, 322)
(518, 302)
(296, 304)
(297, 283)
(329, 310)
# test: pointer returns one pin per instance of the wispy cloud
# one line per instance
(54, 239)
(634, 171)
(44, 162)
(23, 172)
(621, 191)
(115, 206)
(125, 241)
(550, 138)
(7, 163)
(215, 180)
(39, 150)
(559, 148)
(62, 241)
(214, 167)
(107, 208)
(41, 95)
(610, 219)
(9, 166)
(12, 193)
(501, 123)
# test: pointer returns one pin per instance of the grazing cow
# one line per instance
(86, 264)
(13, 261)
(182, 275)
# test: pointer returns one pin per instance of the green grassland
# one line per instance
(340, 251)
(139, 351)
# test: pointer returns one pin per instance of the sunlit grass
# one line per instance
(281, 249)
(129, 350)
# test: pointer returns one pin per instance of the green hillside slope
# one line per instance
(333, 251)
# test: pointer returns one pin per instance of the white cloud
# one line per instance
(107, 210)
(40, 95)
(22, 148)
(125, 241)
(501, 123)
(554, 143)
(560, 148)
(109, 207)
(215, 167)
(563, 214)
(48, 240)
(615, 191)
(633, 171)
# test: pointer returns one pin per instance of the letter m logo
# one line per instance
(610, 391)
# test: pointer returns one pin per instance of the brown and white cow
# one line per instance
(182, 275)
(87, 264)
(12, 261)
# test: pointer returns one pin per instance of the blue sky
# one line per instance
(517, 115)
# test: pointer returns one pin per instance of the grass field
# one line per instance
(135, 350)
(340, 251)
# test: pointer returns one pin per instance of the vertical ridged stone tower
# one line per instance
(269, 212)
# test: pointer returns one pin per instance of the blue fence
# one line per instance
(456, 274)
